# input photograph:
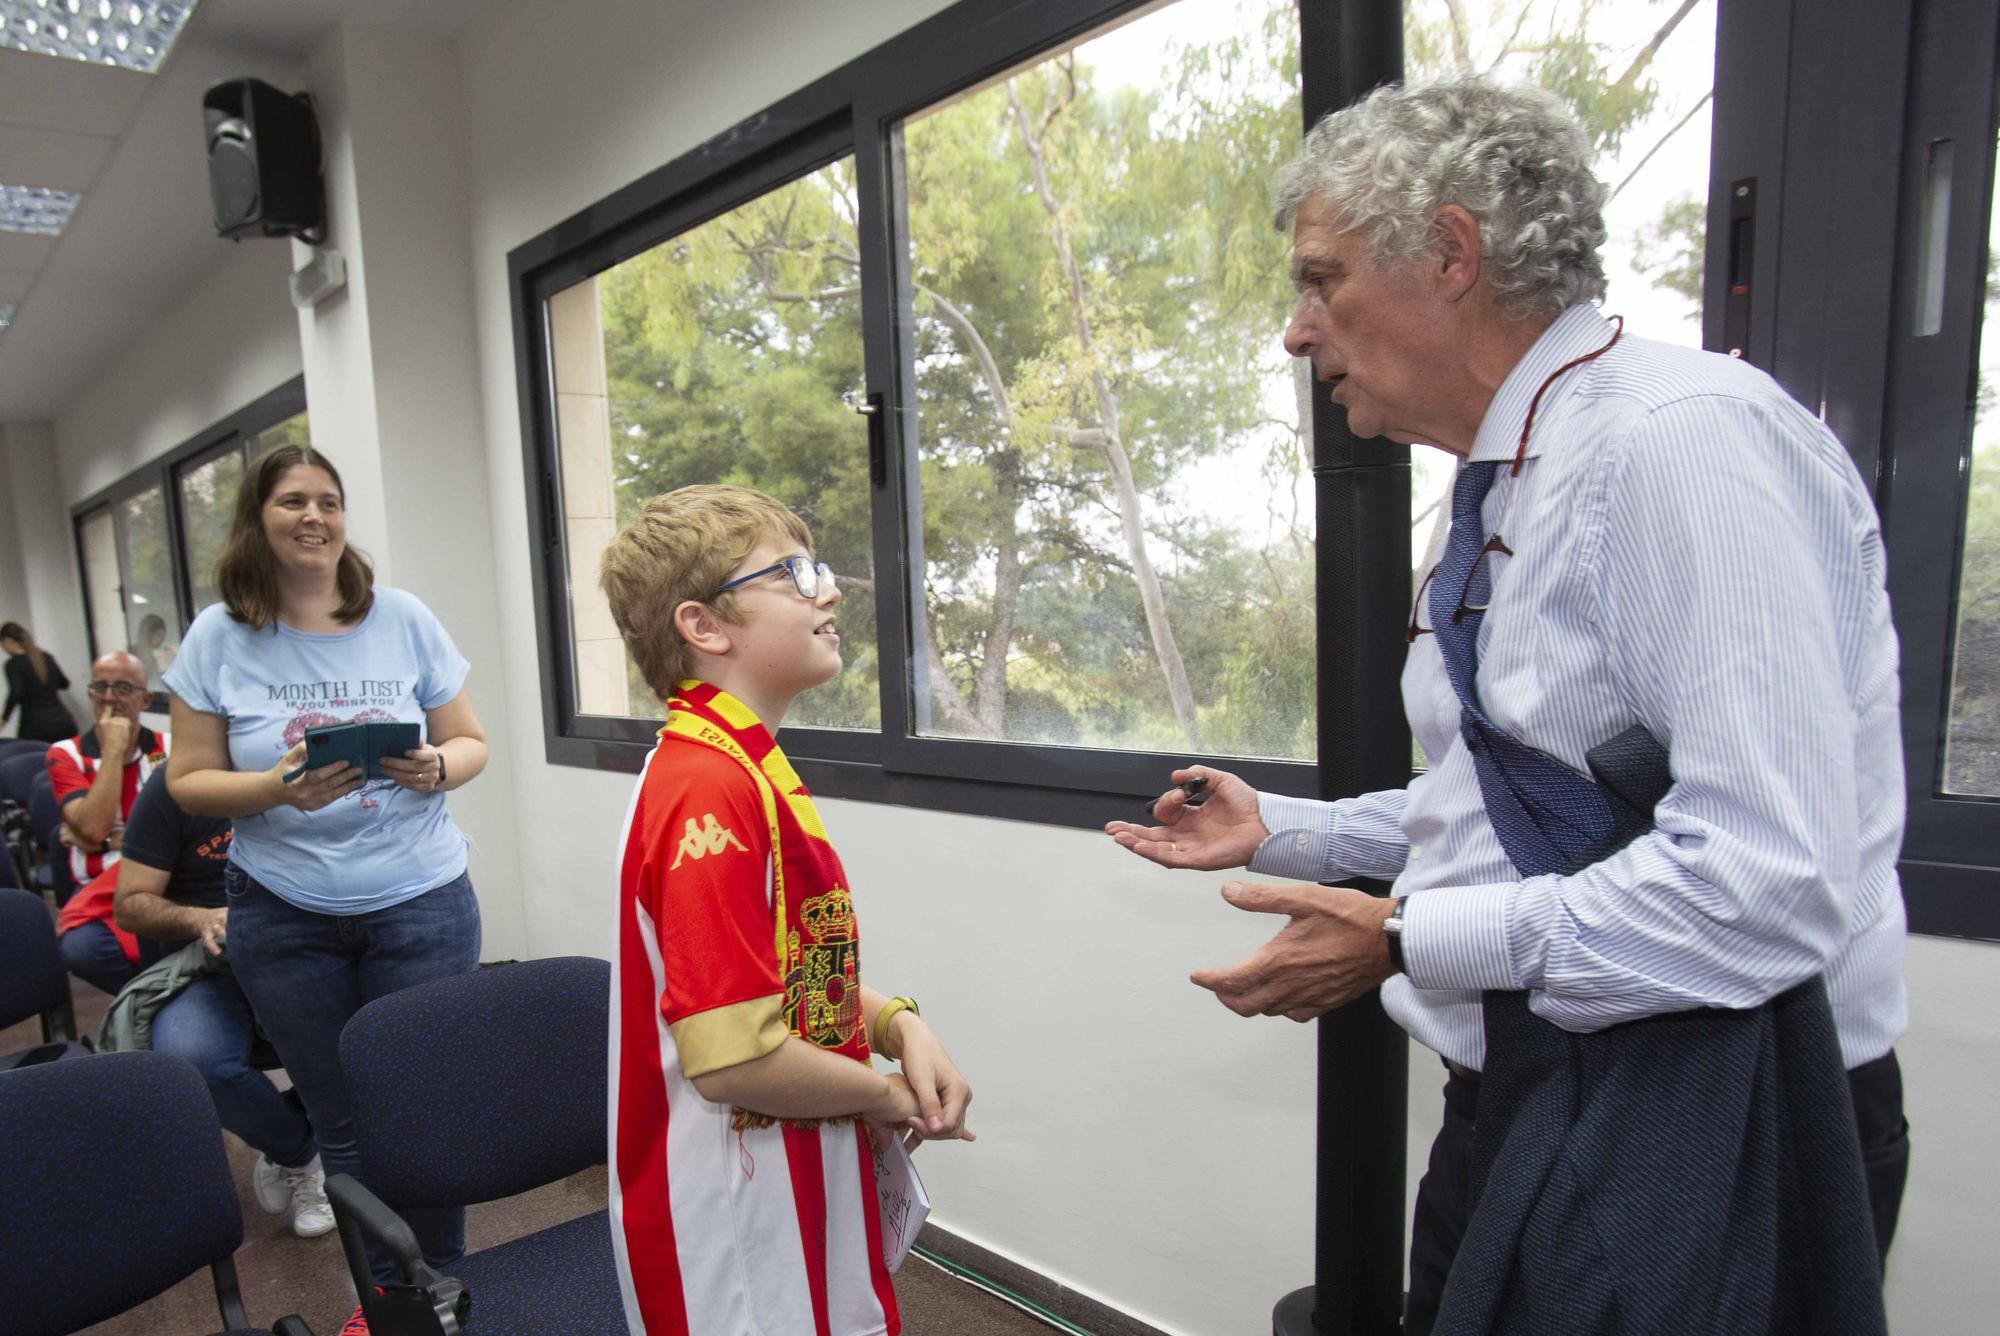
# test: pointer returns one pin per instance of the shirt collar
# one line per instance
(1579, 330)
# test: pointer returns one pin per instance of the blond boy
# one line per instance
(742, 1096)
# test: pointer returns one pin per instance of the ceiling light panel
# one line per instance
(133, 34)
(35, 211)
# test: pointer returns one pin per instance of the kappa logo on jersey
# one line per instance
(711, 837)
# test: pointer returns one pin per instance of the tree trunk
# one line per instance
(990, 699)
(1130, 513)
(958, 717)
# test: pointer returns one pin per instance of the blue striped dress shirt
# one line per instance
(1696, 553)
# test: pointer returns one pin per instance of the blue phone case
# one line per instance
(360, 745)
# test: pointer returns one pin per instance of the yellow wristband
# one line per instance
(891, 1009)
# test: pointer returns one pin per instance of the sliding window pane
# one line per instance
(97, 534)
(730, 353)
(1117, 516)
(207, 499)
(152, 620)
(1972, 733)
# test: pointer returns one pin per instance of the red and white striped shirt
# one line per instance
(735, 930)
(73, 765)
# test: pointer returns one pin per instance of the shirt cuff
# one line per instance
(727, 1036)
(1455, 937)
(1296, 846)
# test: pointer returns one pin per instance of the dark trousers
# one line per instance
(1444, 1205)
(306, 973)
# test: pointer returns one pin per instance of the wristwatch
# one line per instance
(1392, 928)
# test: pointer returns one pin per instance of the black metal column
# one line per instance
(1364, 744)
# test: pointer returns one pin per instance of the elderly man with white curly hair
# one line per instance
(1647, 542)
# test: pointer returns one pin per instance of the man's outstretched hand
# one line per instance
(1332, 951)
(1223, 832)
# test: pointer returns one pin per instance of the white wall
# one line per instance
(36, 508)
(13, 578)
(231, 341)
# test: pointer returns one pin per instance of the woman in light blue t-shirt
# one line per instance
(341, 888)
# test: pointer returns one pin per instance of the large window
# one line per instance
(997, 307)
(147, 544)
(1010, 343)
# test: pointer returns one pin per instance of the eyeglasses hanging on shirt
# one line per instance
(1497, 544)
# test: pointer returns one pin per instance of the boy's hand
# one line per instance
(896, 1107)
(942, 1093)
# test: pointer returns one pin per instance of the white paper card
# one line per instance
(904, 1204)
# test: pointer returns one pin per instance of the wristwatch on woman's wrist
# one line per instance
(440, 756)
(1392, 928)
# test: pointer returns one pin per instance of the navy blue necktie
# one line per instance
(1549, 817)
(1462, 578)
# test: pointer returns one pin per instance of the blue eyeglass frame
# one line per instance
(801, 569)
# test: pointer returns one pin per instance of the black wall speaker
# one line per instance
(263, 161)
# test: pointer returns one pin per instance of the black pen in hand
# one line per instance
(1196, 790)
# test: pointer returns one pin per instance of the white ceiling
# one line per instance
(132, 145)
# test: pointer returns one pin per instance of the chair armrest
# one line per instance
(363, 1219)
(425, 1303)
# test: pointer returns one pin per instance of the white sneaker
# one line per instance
(312, 1213)
(274, 1194)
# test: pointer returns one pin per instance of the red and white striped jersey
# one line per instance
(72, 766)
(735, 931)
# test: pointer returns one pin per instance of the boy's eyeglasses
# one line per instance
(122, 690)
(806, 576)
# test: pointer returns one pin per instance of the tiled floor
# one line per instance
(282, 1274)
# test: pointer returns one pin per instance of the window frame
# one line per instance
(1951, 883)
(857, 109)
(164, 472)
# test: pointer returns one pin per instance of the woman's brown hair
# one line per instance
(37, 660)
(246, 574)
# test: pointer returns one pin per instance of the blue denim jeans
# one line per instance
(210, 1025)
(92, 954)
(306, 973)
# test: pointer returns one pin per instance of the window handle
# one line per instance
(1933, 236)
(878, 438)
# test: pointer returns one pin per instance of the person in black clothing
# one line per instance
(33, 679)
(170, 890)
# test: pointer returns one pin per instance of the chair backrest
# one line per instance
(17, 774)
(31, 969)
(483, 1085)
(12, 747)
(44, 816)
(114, 1186)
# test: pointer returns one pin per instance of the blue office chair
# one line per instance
(32, 981)
(44, 820)
(466, 1090)
(114, 1187)
(16, 790)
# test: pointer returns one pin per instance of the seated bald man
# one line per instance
(97, 776)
